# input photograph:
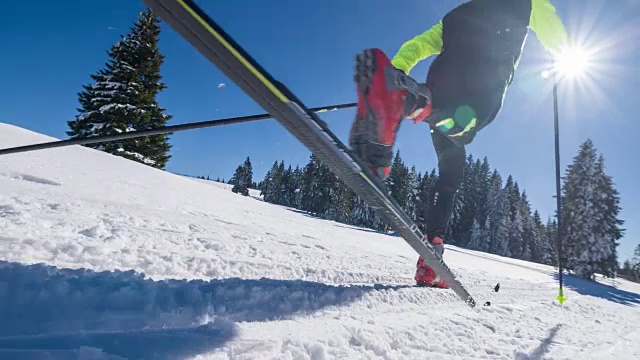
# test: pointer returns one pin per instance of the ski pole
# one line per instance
(158, 131)
(561, 298)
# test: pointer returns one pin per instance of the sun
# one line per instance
(589, 71)
(572, 62)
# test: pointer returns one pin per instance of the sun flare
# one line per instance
(572, 62)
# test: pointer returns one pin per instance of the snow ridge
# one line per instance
(52, 309)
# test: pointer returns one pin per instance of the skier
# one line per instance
(479, 44)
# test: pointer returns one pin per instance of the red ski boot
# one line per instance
(386, 96)
(425, 276)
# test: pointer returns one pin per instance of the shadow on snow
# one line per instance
(73, 313)
(540, 351)
(596, 289)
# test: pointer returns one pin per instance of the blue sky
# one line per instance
(50, 49)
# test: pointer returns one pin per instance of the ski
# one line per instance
(186, 18)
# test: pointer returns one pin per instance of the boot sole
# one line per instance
(363, 139)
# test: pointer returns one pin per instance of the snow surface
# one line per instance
(104, 258)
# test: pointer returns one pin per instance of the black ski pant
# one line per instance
(451, 163)
(454, 84)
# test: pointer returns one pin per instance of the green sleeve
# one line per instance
(547, 25)
(419, 48)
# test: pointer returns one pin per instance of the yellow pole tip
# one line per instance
(561, 299)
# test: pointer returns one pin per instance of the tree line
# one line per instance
(491, 214)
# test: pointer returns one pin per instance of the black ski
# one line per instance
(185, 17)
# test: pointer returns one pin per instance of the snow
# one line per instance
(137, 155)
(107, 107)
(102, 257)
(107, 84)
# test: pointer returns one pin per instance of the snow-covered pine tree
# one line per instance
(265, 184)
(513, 195)
(466, 207)
(536, 243)
(350, 201)
(238, 182)
(483, 178)
(426, 188)
(147, 58)
(248, 174)
(498, 216)
(528, 228)
(287, 193)
(296, 188)
(317, 183)
(285, 183)
(325, 186)
(454, 231)
(474, 210)
(358, 213)
(550, 243)
(338, 207)
(610, 227)
(123, 97)
(479, 236)
(242, 178)
(278, 189)
(398, 181)
(365, 216)
(475, 239)
(516, 236)
(108, 106)
(463, 211)
(588, 216)
(308, 197)
(632, 267)
(515, 221)
(271, 184)
(413, 186)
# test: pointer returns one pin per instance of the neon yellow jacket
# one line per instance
(543, 21)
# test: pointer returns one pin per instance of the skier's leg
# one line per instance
(451, 162)
(386, 96)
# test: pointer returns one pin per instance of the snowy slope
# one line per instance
(104, 258)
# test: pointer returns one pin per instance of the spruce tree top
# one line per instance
(123, 97)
